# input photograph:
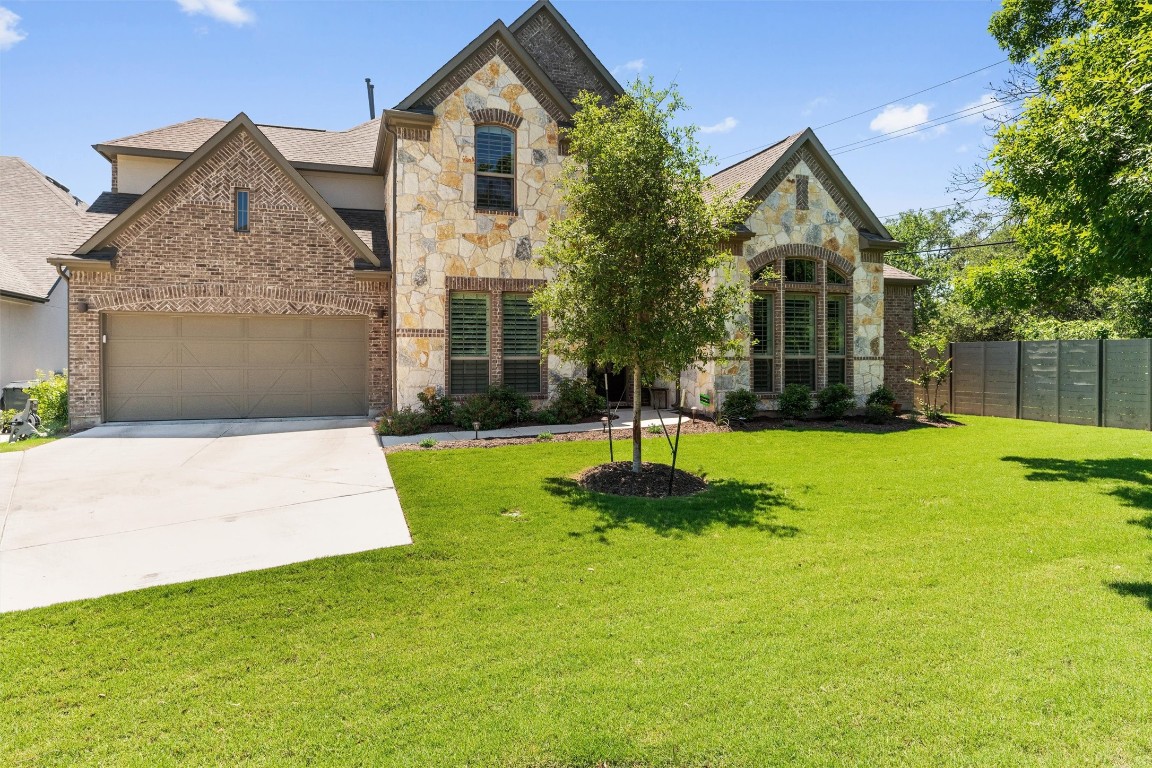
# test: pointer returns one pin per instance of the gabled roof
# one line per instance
(751, 176)
(107, 233)
(38, 219)
(497, 40)
(569, 69)
(303, 147)
(895, 275)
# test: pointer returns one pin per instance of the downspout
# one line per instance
(392, 252)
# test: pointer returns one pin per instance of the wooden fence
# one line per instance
(1100, 383)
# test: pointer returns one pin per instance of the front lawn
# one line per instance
(971, 596)
(23, 445)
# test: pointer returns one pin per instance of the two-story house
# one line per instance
(248, 270)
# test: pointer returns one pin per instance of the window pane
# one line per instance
(469, 376)
(799, 270)
(522, 375)
(468, 320)
(836, 370)
(762, 326)
(835, 325)
(761, 374)
(494, 192)
(799, 326)
(493, 149)
(836, 277)
(521, 328)
(241, 209)
(800, 372)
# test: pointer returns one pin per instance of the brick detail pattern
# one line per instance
(818, 170)
(872, 257)
(899, 359)
(496, 287)
(415, 134)
(493, 49)
(115, 174)
(568, 69)
(183, 255)
(494, 116)
(421, 333)
(801, 192)
(798, 251)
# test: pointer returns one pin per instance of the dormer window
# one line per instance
(241, 206)
(495, 161)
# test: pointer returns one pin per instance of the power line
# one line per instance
(937, 207)
(969, 111)
(961, 247)
(881, 139)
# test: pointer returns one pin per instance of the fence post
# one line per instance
(983, 375)
(952, 377)
(1019, 377)
(1100, 379)
(1059, 346)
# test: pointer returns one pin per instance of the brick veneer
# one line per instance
(183, 255)
(899, 315)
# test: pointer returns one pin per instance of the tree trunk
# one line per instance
(636, 419)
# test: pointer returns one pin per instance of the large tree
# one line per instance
(641, 277)
(1076, 166)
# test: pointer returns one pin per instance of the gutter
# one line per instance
(23, 297)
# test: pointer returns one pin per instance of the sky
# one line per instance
(73, 74)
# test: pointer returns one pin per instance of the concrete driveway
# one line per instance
(121, 507)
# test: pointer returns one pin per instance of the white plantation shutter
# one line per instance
(468, 343)
(521, 350)
(800, 340)
(764, 338)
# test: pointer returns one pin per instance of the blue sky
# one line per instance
(76, 73)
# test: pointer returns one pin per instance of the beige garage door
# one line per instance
(171, 366)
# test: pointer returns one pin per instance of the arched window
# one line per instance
(836, 277)
(495, 162)
(799, 270)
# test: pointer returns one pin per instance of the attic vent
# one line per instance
(801, 193)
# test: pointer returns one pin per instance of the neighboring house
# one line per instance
(39, 219)
(249, 270)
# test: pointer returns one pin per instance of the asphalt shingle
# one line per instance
(742, 176)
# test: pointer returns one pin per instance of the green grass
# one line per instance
(23, 445)
(971, 596)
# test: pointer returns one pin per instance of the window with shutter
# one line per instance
(837, 340)
(521, 348)
(800, 340)
(762, 346)
(468, 343)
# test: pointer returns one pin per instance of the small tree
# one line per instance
(933, 369)
(641, 279)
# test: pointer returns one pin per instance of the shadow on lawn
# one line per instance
(726, 502)
(1135, 473)
(1140, 589)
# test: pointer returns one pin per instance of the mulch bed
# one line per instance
(618, 479)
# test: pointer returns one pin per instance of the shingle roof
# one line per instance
(354, 147)
(38, 219)
(742, 176)
(895, 275)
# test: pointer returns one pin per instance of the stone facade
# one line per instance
(184, 255)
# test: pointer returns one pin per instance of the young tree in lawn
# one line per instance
(641, 277)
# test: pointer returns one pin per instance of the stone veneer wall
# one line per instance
(183, 255)
(441, 237)
(899, 359)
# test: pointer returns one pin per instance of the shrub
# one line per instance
(877, 413)
(835, 400)
(437, 405)
(496, 408)
(576, 399)
(795, 401)
(427, 443)
(546, 416)
(406, 421)
(6, 418)
(544, 436)
(655, 429)
(50, 391)
(882, 396)
(739, 404)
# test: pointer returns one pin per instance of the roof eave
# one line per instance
(17, 296)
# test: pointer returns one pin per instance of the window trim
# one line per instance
(813, 356)
(494, 174)
(237, 209)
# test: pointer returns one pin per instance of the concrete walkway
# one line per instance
(649, 417)
(121, 507)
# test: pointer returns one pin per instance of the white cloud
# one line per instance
(897, 117)
(636, 65)
(815, 104)
(962, 149)
(723, 126)
(228, 11)
(985, 106)
(9, 34)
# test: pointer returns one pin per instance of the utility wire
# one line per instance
(881, 139)
(970, 111)
(961, 247)
(936, 207)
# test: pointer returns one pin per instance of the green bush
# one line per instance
(835, 400)
(877, 413)
(544, 436)
(437, 405)
(496, 408)
(795, 401)
(6, 419)
(406, 421)
(50, 390)
(427, 443)
(882, 396)
(576, 399)
(546, 416)
(739, 404)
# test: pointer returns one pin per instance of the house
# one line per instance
(250, 270)
(39, 219)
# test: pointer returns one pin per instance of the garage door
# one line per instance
(171, 366)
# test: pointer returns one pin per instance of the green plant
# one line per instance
(496, 408)
(933, 369)
(546, 416)
(575, 399)
(877, 413)
(544, 436)
(881, 396)
(6, 417)
(50, 390)
(428, 442)
(437, 405)
(655, 429)
(405, 421)
(795, 401)
(739, 404)
(835, 400)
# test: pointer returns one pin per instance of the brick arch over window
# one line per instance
(799, 251)
(228, 299)
(493, 116)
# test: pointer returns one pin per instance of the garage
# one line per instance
(165, 366)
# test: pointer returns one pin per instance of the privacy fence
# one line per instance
(1101, 383)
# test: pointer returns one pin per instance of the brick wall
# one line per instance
(183, 255)
(899, 316)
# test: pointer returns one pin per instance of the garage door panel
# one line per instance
(170, 366)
